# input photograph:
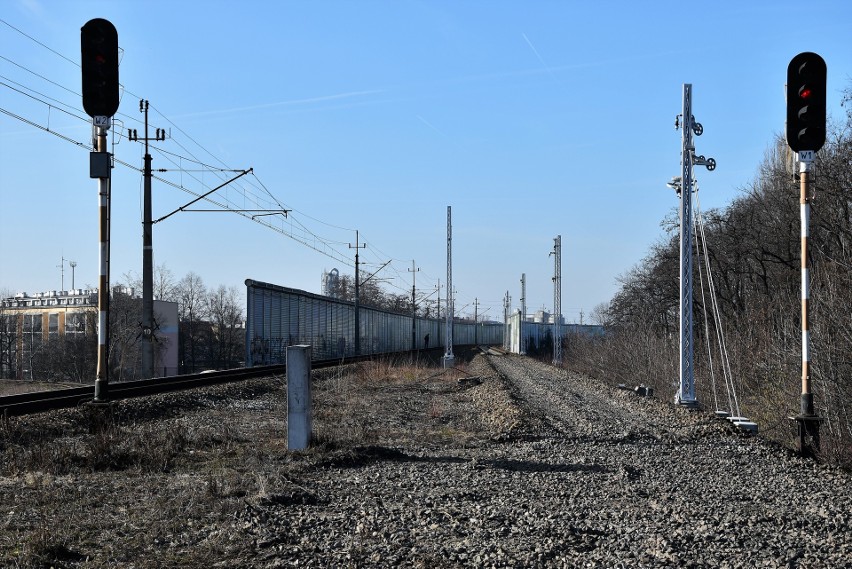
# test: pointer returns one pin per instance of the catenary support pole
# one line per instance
(475, 321)
(147, 262)
(557, 300)
(686, 391)
(507, 303)
(147, 354)
(522, 350)
(413, 270)
(358, 246)
(449, 358)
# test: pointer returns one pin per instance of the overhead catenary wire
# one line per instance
(250, 189)
(125, 91)
(50, 49)
(318, 243)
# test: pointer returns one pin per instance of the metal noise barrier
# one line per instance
(278, 317)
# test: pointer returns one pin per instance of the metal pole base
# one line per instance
(101, 390)
(449, 361)
(687, 403)
(808, 431)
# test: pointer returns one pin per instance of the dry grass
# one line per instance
(14, 387)
(175, 480)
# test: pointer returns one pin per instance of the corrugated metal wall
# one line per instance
(536, 336)
(279, 317)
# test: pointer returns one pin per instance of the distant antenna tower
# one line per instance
(62, 268)
(73, 266)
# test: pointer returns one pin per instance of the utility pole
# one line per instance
(522, 350)
(557, 300)
(507, 303)
(475, 321)
(449, 358)
(147, 251)
(413, 270)
(357, 247)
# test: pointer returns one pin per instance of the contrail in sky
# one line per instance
(439, 131)
(538, 55)
(288, 103)
(430, 125)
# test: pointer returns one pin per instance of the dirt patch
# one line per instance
(179, 479)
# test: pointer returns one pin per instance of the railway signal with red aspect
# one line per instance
(99, 50)
(806, 80)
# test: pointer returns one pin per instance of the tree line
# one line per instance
(754, 253)
(371, 294)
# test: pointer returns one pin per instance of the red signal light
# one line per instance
(806, 81)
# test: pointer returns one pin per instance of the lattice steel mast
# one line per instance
(557, 300)
(449, 359)
(686, 391)
(522, 349)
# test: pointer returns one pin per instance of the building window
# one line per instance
(75, 323)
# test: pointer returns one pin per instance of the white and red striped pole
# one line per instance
(805, 209)
(807, 419)
(102, 374)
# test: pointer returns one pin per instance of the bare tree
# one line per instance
(165, 287)
(754, 252)
(226, 318)
(192, 311)
(8, 340)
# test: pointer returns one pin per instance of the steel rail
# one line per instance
(40, 401)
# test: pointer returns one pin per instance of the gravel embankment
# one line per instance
(530, 467)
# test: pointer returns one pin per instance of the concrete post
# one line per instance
(298, 397)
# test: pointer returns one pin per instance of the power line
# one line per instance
(39, 43)
(297, 230)
(44, 128)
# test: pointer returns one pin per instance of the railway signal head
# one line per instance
(806, 80)
(99, 50)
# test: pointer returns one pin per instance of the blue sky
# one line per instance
(530, 119)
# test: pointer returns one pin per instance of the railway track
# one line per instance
(40, 401)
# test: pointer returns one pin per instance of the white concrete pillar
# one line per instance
(298, 397)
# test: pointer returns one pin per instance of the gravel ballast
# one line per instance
(514, 463)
